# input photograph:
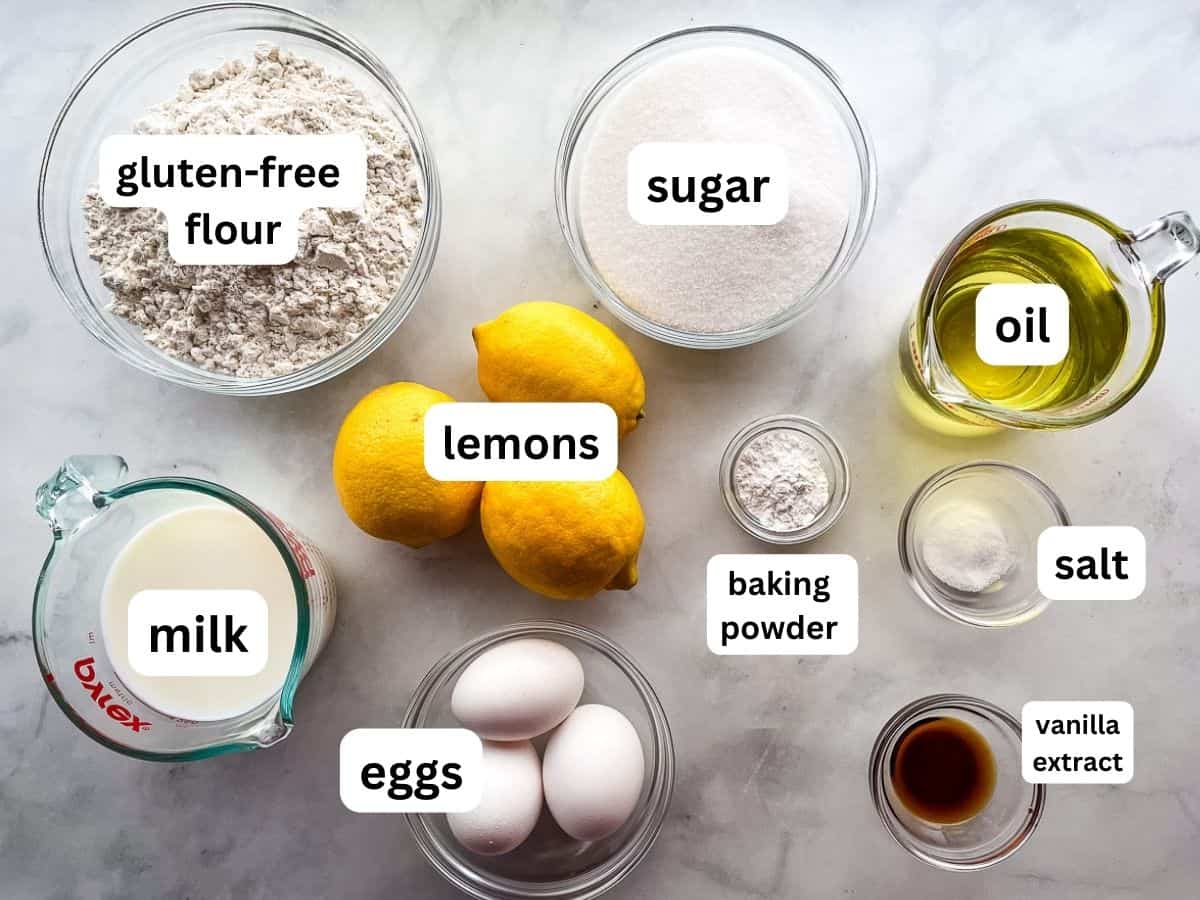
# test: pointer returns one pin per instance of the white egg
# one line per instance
(592, 772)
(512, 800)
(518, 690)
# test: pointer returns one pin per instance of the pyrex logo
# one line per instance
(85, 671)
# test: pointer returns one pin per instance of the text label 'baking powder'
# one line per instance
(769, 604)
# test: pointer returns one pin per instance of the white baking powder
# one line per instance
(713, 279)
(780, 482)
(256, 321)
(966, 548)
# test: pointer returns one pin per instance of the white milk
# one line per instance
(211, 547)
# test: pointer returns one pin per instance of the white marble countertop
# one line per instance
(970, 107)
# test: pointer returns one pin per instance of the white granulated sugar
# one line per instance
(257, 321)
(780, 482)
(714, 279)
(967, 549)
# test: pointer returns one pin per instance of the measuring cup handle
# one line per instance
(75, 493)
(1165, 245)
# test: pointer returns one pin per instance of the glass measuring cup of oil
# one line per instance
(113, 537)
(1114, 281)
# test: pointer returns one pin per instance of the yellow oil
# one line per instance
(1099, 320)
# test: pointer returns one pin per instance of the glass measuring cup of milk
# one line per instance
(112, 538)
(1114, 281)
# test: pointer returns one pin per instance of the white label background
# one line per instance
(521, 420)
(1034, 744)
(841, 607)
(1079, 540)
(250, 203)
(180, 607)
(387, 746)
(702, 161)
(998, 301)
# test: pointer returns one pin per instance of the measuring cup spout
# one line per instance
(74, 495)
(271, 730)
(1164, 246)
(939, 380)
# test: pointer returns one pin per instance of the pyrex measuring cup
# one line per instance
(1137, 263)
(92, 517)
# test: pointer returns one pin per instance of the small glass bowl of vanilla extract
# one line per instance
(946, 780)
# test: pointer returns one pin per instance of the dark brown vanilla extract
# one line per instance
(943, 771)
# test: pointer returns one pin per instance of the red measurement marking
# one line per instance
(299, 553)
(985, 231)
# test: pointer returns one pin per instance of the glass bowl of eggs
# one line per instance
(578, 763)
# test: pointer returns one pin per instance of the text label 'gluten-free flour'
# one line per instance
(233, 199)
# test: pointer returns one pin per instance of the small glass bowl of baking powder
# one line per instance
(146, 68)
(968, 542)
(784, 479)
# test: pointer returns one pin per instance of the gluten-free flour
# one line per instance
(259, 321)
(716, 279)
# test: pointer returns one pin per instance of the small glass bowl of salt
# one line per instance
(968, 542)
(784, 479)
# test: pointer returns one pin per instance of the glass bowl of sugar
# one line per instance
(715, 285)
(241, 68)
(784, 479)
(968, 542)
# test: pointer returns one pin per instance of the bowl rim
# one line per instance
(816, 432)
(908, 555)
(378, 331)
(842, 261)
(876, 768)
(601, 878)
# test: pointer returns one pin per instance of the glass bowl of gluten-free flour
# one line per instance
(714, 286)
(246, 330)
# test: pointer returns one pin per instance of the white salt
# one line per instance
(717, 279)
(967, 548)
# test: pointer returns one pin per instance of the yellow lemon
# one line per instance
(379, 470)
(565, 539)
(542, 352)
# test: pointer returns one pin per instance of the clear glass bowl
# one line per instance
(833, 461)
(818, 75)
(1022, 505)
(549, 864)
(994, 834)
(139, 72)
